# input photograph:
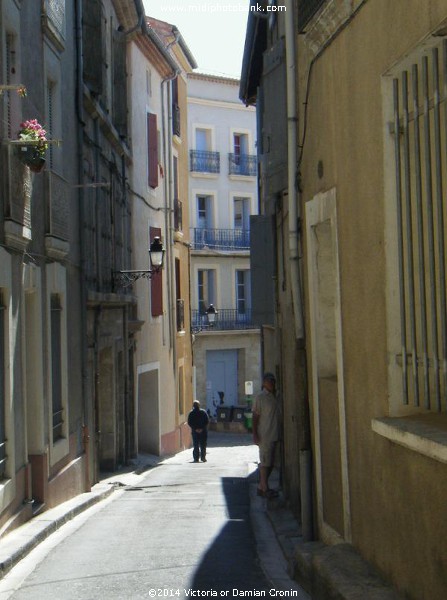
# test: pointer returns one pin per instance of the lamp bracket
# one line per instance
(127, 278)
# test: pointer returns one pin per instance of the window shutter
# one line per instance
(152, 150)
(156, 281)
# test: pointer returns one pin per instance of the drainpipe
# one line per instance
(168, 185)
(305, 458)
(294, 216)
(82, 249)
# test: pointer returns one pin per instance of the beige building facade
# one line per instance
(369, 96)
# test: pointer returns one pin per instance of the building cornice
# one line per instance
(214, 78)
(220, 104)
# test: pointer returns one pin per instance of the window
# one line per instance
(242, 291)
(93, 45)
(50, 121)
(179, 300)
(203, 139)
(240, 161)
(241, 213)
(175, 176)
(181, 391)
(152, 150)
(420, 175)
(119, 87)
(156, 281)
(203, 159)
(56, 366)
(203, 211)
(175, 108)
(306, 10)
(206, 287)
(55, 12)
(2, 390)
(12, 99)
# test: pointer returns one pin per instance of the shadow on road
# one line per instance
(231, 562)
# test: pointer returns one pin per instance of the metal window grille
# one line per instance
(180, 314)
(56, 366)
(306, 10)
(3, 456)
(9, 80)
(178, 215)
(420, 143)
(50, 122)
(55, 10)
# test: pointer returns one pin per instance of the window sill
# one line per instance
(425, 434)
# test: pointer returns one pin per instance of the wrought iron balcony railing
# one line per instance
(221, 239)
(242, 164)
(178, 215)
(227, 319)
(204, 161)
(176, 120)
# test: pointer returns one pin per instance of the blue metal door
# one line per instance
(221, 379)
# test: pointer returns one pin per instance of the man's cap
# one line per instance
(269, 377)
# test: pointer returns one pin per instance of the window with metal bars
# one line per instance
(3, 456)
(306, 10)
(420, 147)
(56, 366)
(50, 121)
(11, 79)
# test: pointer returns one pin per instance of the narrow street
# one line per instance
(184, 528)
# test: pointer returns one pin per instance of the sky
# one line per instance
(214, 30)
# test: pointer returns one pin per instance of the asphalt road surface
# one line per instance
(184, 529)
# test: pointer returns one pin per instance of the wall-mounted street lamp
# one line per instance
(156, 257)
(210, 315)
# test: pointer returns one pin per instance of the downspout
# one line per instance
(295, 218)
(294, 213)
(168, 185)
(82, 257)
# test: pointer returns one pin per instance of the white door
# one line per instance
(221, 379)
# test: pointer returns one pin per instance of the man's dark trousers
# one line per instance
(199, 441)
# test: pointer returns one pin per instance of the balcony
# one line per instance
(220, 239)
(204, 161)
(242, 164)
(227, 319)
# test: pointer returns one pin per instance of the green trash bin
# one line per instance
(249, 420)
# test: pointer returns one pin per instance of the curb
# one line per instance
(336, 572)
(17, 544)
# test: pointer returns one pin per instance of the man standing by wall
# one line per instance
(198, 421)
(266, 432)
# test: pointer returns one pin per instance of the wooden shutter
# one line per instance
(156, 281)
(152, 150)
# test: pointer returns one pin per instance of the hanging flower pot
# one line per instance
(33, 155)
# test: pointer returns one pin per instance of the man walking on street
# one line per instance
(266, 432)
(198, 421)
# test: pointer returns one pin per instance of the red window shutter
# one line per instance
(156, 281)
(152, 150)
